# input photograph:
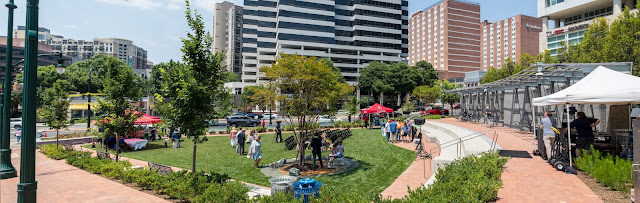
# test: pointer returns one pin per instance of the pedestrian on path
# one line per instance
(548, 135)
(18, 134)
(240, 144)
(232, 136)
(263, 123)
(584, 126)
(255, 152)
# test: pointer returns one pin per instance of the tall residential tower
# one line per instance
(227, 34)
(509, 38)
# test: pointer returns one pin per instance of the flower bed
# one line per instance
(183, 185)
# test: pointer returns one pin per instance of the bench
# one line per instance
(159, 168)
(103, 155)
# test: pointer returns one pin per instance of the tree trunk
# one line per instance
(56, 139)
(117, 147)
(193, 165)
(381, 99)
(399, 99)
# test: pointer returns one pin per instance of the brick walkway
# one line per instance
(531, 179)
(60, 182)
(415, 176)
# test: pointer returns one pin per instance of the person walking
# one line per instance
(393, 127)
(316, 145)
(240, 144)
(232, 136)
(488, 118)
(263, 123)
(548, 135)
(584, 126)
(176, 139)
(18, 133)
(250, 138)
(256, 153)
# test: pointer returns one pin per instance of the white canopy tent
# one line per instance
(602, 86)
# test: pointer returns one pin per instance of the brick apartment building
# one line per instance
(509, 38)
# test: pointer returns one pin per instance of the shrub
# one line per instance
(470, 179)
(611, 172)
(433, 117)
(53, 152)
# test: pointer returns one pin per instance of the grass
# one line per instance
(380, 162)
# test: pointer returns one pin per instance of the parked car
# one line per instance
(437, 111)
(270, 115)
(16, 123)
(254, 115)
(326, 119)
(457, 106)
(239, 114)
(242, 121)
(342, 112)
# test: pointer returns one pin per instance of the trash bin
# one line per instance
(306, 187)
(281, 183)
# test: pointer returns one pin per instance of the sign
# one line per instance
(568, 29)
(533, 26)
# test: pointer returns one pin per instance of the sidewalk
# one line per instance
(60, 182)
(415, 176)
(531, 179)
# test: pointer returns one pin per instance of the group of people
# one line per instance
(238, 138)
(583, 125)
(320, 144)
(397, 131)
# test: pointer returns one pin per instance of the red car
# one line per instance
(437, 111)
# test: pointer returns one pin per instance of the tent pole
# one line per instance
(533, 108)
(569, 136)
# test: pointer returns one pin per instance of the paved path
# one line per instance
(60, 182)
(415, 176)
(531, 179)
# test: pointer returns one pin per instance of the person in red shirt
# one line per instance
(263, 123)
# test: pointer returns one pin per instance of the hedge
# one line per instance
(183, 185)
(612, 172)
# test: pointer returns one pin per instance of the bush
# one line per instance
(433, 117)
(470, 179)
(611, 172)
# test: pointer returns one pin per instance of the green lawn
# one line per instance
(380, 162)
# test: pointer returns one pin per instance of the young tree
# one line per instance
(194, 93)
(56, 106)
(450, 98)
(428, 94)
(308, 86)
(119, 89)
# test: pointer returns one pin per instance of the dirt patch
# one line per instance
(605, 194)
(307, 169)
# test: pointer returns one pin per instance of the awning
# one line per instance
(377, 108)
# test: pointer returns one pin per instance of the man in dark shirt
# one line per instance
(584, 127)
(316, 145)
(240, 146)
(278, 132)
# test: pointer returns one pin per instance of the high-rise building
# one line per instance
(351, 33)
(508, 38)
(123, 49)
(18, 54)
(567, 20)
(447, 35)
(227, 34)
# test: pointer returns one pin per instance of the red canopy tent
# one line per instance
(147, 119)
(377, 108)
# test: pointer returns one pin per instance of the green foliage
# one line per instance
(427, 94)
(470, 179)
(183, 185)
(55, 110)
(193, 92)
(510, 67)
(433, 117)
(395, 78)
(260, 96)
(612, 172)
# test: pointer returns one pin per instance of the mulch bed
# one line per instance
(306, 169)
(605, 194)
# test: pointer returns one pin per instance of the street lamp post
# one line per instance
(28, 184)
(93, 144)
(6, 168)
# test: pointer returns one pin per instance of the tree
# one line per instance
(118, 90)
(395, 78)
(78, 73)
(427, 94)
(308, 86)
(450, 98)
(56, 106)
(492, 74)
(194, 93)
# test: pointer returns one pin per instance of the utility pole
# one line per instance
(28, 184)
(6, 168)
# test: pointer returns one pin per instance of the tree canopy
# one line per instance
(395, 78)
(54, 112)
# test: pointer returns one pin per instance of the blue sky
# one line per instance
(157, 25)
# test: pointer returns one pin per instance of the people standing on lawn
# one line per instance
(405, 131)
(393, 127)
(382, 124)
(399, 131)
(278, 132)
(255, 152)
(232, 136)
(387, 130)
(584, 126)
(240, 144)
(316, 146)
(548, 135)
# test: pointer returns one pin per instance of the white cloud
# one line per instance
(71, 27)
(173, 7)
(141, 4)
